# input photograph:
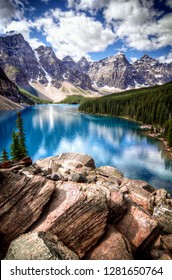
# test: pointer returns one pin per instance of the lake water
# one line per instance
(54, 129)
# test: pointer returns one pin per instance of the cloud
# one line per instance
(88, 5)
(24, 27)
(12, 18)
(9, 9)
(74, 34)
(133, 59)
(122, 49)
(165, 58)
(137, 23)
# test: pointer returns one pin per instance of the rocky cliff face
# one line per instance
(70, 63)
(117, 72)
(84, 64)
(57, 71)
(23, 65)
(9, 90)
(114, 71)
(50, 65)
(63, 207)
(17, 59)
(152, 72)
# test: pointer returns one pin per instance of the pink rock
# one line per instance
(21, 202)
(138, 227)
(77, 215)
(113, 246)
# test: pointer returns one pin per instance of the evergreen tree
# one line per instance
(169, 136)
(15, 146)
(21, 135)
(18, 147)
(4, 156)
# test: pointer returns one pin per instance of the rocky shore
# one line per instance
(63, 207)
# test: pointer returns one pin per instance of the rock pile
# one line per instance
(63, 207)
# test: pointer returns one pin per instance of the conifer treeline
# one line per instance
(149, 105)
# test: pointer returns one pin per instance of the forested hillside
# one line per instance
(148, 105)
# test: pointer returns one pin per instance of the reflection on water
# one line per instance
(54, 129)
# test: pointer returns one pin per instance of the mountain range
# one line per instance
(40, 72)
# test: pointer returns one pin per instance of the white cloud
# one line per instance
(8, 10)
(165, 58)
(136, 23)
(122, 49)
(133, 59)
(24, 27)
(12, 18)
(88, 5)
(74, 34)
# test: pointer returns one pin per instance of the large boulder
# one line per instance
(163, 209)
(77, 215)
(129, 183)
(21, 202)
(66, 167)
(163, 214)
(162, 248)
(71, 161)
(113, 246)
(138, 227)
(141, 197)
(117, 205)
(109, 171)
(39, 246)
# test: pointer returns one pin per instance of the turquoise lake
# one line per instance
(54, 129)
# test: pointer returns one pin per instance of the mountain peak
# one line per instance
(120, 54)
(146, 57)
(83, 59)
(68, 58)
(11, 33)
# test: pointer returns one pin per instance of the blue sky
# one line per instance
(93, 28)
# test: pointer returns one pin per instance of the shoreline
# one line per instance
(165, 147)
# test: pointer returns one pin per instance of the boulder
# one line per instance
(109, 171)
(77, 215)
(141, 197)
(166, 256)
(26, 161)
(163, 214)
(129, 183)
(117, 205)
(39, 246)
(167, 242)
(163, 209)
(162, 248)
(72, 161)
(138, 227)
(21, 202)
(112, 246)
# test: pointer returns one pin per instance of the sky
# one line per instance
(93, 28)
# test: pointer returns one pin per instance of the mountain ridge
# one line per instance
(27, 68)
